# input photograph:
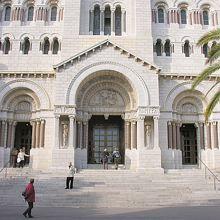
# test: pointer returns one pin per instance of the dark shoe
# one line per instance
(31, 216)
(66, 188)
(25, 215)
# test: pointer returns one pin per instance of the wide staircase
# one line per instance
(111, 188)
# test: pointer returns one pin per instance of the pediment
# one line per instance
(99, 47)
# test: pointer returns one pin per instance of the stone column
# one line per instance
(127, 135)
(178, 142)
(13, 133)
(123, 23)
(85, 134)
(218, 132)
(33, 139)
(57, 131)
(170, 137)
(79, 134)
(201, 134)
(174, 135)
(91, 22)
(5, 134)
(214, 135)
(72, 121)
(140, 132)
(10, 124)
(207, 136)
(42, 133)
(2, 133)
(38, 134)
(156, 132)
(113, 22)
(133, 134)
(102, 23)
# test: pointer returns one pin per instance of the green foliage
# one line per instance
(214, 66)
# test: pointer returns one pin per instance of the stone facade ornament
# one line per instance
(148, 131)
(65, 134)
(65, 110)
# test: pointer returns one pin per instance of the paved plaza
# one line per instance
(175, 213)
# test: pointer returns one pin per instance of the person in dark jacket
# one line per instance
(30, 198)
(105, 156)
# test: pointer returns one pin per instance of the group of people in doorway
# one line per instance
(115, 156)
(18, 157)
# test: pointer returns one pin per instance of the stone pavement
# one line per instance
(174, 213)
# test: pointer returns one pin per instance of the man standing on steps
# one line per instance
(30, 198)
(70, 177)
(116, 157)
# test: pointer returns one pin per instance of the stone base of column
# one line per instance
(40, 158)
(171, 159)
(81, 158)
(211, 157)
(62, 157)
(150, 159)
(131, 159)
(4, 156)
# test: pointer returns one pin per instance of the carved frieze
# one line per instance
(65, 110)
(149, 111)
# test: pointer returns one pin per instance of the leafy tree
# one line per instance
(213, 63)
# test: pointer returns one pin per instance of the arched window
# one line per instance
(53, 16)
(7, 13)
(183, 16)
(167, 48)
(46, 45)
(96, 21)
(26, 45)
(186, 48)
(118, 21)
(161, 15)
(6, 46)
(30, 14)
(205, 16)
(158, 47)
(205, 50)
(107, 21)
(55, 46)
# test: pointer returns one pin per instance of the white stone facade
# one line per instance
(64, 63)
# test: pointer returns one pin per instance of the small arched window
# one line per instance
(118, 21)
(161, 15)
(46, 45)
(186, 48)
(55, 46)
(183, 16)
(7, 13)
(6, 46)
(158, 47)
(53, 16)
(96, 21)
(167, 48)
(205, 16)
(26, 45)
(30, 14)
(107, 21)
(205, 50)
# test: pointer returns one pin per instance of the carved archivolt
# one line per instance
(105, 90)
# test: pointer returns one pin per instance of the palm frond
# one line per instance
(205, 73)
(210, 36)
(213, 87)
(214, 54)
(214, 101)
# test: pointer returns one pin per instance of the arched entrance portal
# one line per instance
(102, 100)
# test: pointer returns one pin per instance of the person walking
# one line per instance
(105, 156)
(30, 198)
(20, 158)
(116, 157)
(70, 177)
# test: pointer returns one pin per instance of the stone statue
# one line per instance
(147, 136)
(65, 133)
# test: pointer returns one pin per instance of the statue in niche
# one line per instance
(65, 132)
(147, 136)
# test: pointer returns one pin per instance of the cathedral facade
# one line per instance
(79, 76)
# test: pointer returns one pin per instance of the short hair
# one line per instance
(31, 180)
